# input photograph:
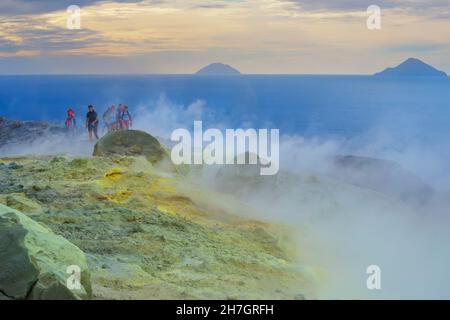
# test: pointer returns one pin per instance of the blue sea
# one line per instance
(337, 106)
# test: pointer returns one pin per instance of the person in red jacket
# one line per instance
(71, 122)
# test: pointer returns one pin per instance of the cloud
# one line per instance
(417, 47)
(14, 7)
(435, 9)
(121, 29)
(178, 36)
(35, 34)
(48, 34)
(363, 4)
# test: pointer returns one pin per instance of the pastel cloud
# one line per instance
(361, 4)
(13, 7)
(257, 36)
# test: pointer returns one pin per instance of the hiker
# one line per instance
(92, 122)
(71, 123)
(126, 122)
(118, 111)
(109, 117)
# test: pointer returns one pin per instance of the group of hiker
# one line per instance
(115, 119)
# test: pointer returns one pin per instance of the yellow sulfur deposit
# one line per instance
(148, 233)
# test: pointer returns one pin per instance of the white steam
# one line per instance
(343, 226)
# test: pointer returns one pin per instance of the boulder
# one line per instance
(35, 261)
(130, 143)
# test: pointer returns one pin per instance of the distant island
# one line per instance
(218, 69)
(412, 68)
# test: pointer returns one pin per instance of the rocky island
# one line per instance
(218, 69)
(412, 68)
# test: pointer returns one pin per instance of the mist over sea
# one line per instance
(345, 227)
(397, 118)
(340, 106)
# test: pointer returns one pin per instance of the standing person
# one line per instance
(92, 122)
(118, 115)
(71, 123)
(110, 118)
(125, 118)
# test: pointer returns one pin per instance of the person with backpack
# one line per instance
(109, 117)
(118, 115)
(126, 122)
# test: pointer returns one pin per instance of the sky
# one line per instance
(255, 36)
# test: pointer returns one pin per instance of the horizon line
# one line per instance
(186, 74)
(203, 75)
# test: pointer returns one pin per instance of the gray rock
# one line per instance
(34, 261)
(14, 132)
